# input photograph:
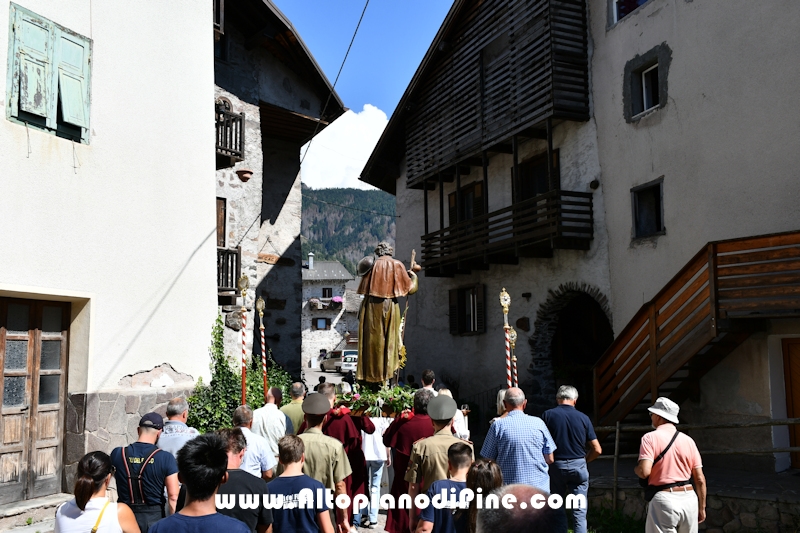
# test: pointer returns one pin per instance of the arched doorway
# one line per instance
(582, 334)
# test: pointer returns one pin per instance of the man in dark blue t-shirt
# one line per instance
(142, 473)
(571, 431)
(203, 464)
(433, 520)
(293, 511)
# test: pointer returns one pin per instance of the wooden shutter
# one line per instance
(477, 200)
(73, 59)
(453, 208)
(32, 65)
(454, 315)
(480, 308)
(222, 218)
(327, 323)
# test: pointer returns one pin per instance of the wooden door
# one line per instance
(33, 356)
(791, 371)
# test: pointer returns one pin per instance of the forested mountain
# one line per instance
(341, 224)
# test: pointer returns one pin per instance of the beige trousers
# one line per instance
(672, 512)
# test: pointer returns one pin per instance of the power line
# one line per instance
(324, 108)
(352, 208)
(335, 81)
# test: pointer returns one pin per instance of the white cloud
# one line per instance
(338, 153)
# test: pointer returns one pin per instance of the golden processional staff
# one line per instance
(260, 307)
(244, 283)
(510, 342)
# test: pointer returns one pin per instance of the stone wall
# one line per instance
(108, 419)
(314, 340)
(724, 514)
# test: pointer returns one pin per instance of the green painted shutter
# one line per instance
(31, 66)
(73, 54)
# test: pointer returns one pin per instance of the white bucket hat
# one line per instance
(666, 409)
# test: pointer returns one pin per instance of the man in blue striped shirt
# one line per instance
(520, 444)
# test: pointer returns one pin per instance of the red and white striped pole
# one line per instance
(508, 359)
(505, 301)
(244, 355)
(260, 307)
(244, 283)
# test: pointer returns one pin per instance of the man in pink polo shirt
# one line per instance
(677, 507)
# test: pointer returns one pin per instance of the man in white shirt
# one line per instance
(258, 459)
(270, 422)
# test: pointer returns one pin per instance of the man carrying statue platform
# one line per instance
(383, 280)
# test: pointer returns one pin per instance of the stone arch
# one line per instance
(542, 382)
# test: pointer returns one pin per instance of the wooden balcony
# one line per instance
(229, 269)
(707, 310)
(533, 228)
(230, 137)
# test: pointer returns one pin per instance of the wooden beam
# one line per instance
(534, 133)
(501, 149)
(441, 203)
(463, 170)
(425, 203)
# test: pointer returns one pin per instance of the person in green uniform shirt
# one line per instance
(326, 460)
(294, 409)
(428, 462)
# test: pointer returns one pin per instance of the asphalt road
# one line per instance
(312, 375)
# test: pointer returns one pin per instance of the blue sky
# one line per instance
(392, 39)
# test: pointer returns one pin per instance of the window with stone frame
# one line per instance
(327, 292)
(322, 323)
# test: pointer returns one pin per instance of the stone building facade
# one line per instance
(282, 104)
(324, 308)
(671, 151)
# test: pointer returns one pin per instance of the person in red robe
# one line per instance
(345, 428)
(400, 436)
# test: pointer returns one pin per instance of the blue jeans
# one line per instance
(570, 477)
(374, 477)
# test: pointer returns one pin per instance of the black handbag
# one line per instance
(651, 490)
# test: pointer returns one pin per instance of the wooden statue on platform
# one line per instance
(383, 280)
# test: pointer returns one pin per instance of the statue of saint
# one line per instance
(383, 281)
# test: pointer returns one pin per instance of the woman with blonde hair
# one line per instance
(90, 509)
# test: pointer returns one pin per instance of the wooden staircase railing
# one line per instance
(692, 323)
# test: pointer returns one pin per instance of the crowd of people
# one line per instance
(172, 479)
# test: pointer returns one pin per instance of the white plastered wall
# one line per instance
(124, 226)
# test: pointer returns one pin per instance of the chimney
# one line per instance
(311, 260)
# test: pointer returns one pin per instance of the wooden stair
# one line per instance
(722, 296)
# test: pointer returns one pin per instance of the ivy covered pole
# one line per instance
(244, 283)
(260, 307)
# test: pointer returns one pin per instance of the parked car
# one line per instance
(349, 361)
(331, 362)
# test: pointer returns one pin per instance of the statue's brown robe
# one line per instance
(379, 318)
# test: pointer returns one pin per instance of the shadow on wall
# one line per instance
(281, 289)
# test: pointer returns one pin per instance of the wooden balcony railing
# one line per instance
(229, 269)
(749, 278)
(562, 218)
(230, 134)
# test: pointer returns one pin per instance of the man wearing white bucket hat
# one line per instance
(669, 461)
